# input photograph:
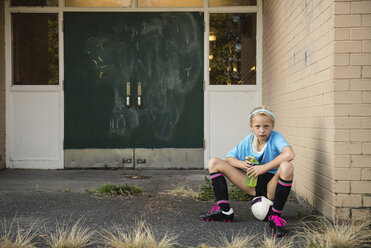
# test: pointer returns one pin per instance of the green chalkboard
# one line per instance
(162, 51)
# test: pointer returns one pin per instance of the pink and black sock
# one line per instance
(282, 193)
(220, 190)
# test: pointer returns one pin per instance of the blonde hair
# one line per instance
(266, 111)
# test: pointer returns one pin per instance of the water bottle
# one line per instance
(251, 181)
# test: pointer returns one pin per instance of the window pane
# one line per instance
(232, 43)
(98, 3)
(34, 3)
(213, 3)
(35, 49)
(170, 3)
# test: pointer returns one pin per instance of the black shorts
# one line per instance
(261, 186)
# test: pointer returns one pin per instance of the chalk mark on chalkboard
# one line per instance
(164, 53)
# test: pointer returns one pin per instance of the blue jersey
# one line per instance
(273, 148)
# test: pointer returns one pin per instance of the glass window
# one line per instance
(98, 3)
(35, 49)
(213, 3)
(170, 3)
(232, 44)
(34, 3)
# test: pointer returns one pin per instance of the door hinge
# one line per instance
(204, 26)
(204, 85)
(204, 144)
(63, 84)
(63, 143)
(62, 26)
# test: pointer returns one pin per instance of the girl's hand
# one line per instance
(247, 163)
(255, 170)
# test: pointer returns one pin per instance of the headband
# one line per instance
(260, 111)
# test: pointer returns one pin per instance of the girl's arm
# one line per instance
(287, 154)
(238, 163)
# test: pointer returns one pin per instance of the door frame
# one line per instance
(209, 89)
(52, 162)
(59, 88)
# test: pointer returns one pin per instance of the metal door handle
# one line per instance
(128, 94)
(139, 94)
(141, 161)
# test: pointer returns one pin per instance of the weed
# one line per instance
(238, 241)
(76, 237)
(270, 241)
(139, 236)
(320, 232)
(183, 191)
(205, 246)
(37, 188)
(237, 194)
(117, 190)
(15, 237)
(207, 192)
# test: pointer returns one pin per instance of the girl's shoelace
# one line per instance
(277, 220)
(215, 208)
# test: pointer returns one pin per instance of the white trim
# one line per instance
(242, 9)
(61, 82)
(206, 91)
(228, 88)
(259, 51)
(8, 96)
(34, 88)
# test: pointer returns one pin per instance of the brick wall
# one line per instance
(2, 87)
(316, 78)
(352, 110)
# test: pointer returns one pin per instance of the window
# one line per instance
(35, 49)
(34, 3)
(213, 3)
(170, 3)
(98, 3)
(232, 44)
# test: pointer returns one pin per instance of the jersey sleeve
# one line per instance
(279, 142)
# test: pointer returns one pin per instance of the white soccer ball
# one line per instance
(260, 207)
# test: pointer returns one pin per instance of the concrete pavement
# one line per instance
(48, 197)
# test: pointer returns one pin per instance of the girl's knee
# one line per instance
(215, 164)
(287, 169)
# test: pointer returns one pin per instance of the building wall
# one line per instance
(2, 86)
(316, 78)
(352, 99)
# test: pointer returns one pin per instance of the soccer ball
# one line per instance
(260, 207)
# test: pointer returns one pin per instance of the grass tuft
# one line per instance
(238, 241)
(66, 237)
(139, 237)
(183, 191)
(117, 190)
(269, 241)
(321, 233)
(15, 237)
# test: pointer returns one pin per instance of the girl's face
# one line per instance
(262, 126)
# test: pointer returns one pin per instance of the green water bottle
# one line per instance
(251, 181)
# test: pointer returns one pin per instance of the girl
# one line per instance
(275, 171)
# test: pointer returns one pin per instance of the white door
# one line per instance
(34, 96)
(233, 87)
